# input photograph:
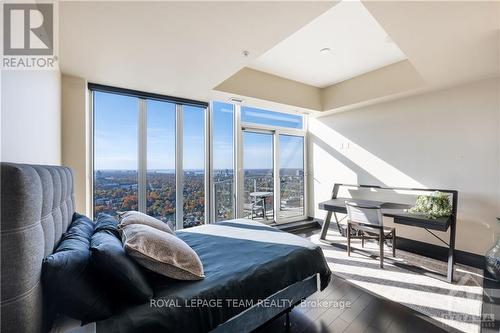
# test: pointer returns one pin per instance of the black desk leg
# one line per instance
(326, 225)
(451, 253)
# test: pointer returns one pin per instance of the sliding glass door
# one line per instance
(273, 161)
(273, 176)
(291, 171)
(258, 175)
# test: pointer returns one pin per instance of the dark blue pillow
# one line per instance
(68, 280)
(107, 224)
(117, 271)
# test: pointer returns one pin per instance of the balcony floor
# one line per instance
(285, 213)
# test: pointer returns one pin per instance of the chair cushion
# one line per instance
(69, 282)
(161, 252)
(135, 217)
(121, 275)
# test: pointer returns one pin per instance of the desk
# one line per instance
(400, 216)
(263, 196)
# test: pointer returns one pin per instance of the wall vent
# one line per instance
(236, 100)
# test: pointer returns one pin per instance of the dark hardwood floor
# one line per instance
(367, 313)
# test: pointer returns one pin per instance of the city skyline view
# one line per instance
(117, 190)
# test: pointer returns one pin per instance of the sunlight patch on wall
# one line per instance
(358, 159)
(329, 169)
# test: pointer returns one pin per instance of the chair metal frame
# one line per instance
(367, 230)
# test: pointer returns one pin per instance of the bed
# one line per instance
(253, 272)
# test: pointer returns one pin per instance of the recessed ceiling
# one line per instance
(180, 48)
(357, 44)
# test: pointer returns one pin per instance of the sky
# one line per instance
(116, 132)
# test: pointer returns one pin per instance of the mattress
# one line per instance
(244, 262)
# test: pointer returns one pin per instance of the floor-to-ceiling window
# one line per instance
(115, 153)
(223, 174)
(193, 164)
(176, 161)
(149, 155)
(160, 160)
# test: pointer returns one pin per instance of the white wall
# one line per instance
(31, 117)
(445, 139)
(75, 137)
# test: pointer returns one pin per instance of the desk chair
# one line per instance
(368, 221)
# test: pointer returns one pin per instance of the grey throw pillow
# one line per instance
(161, 252)
(135, 217)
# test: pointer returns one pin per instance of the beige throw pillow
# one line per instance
(134, 217)
(161, 252)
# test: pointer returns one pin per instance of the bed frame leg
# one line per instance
(287, 320)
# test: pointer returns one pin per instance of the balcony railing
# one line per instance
(291, 202)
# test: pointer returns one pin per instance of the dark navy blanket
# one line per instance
(244, 261)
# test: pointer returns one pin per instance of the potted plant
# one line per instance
(493, 259)
(432, 206)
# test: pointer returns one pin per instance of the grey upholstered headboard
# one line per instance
(37, 206)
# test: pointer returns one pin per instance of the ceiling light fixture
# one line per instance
(325, 50)
(246, 53)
